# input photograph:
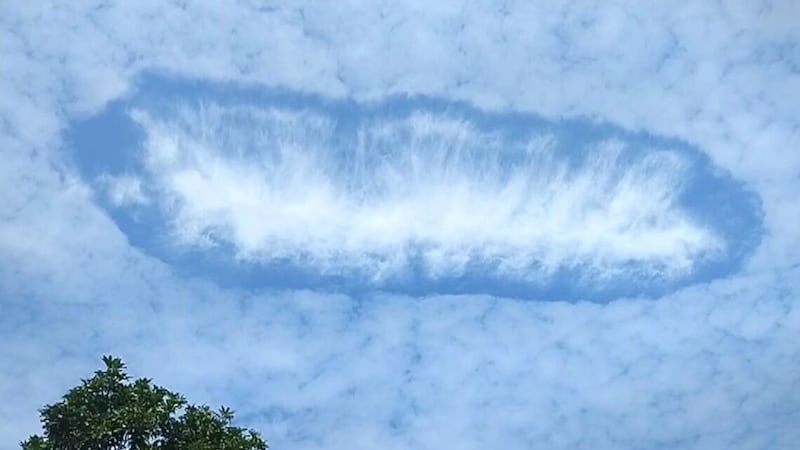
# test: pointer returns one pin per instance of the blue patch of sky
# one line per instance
(109, 143)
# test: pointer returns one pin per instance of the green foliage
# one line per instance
(111, 412)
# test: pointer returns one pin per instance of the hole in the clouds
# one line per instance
(268, 188)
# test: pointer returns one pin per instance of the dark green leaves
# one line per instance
(108, 411)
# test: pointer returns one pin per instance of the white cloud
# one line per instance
(279, 184)
(318, 371)
(713, 366)
(124, 190)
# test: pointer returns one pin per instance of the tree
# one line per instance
(111, 412)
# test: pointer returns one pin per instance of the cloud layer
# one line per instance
(711, 366)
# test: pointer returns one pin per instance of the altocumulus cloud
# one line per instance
(88, 249)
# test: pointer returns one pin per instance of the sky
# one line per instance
(410, 225)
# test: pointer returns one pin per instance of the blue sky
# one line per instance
(449, 225)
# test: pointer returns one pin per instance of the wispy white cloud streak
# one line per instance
(283, 185)
(124, 190)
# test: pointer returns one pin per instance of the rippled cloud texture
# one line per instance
(690, 174)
